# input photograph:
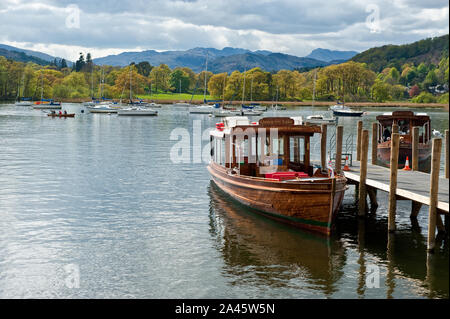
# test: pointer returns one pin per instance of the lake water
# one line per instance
(93, 207)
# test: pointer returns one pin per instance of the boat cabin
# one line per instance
(405, 120)
(276, 148)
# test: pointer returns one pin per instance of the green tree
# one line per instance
(381, 91)
(179, 81)
(160, 78)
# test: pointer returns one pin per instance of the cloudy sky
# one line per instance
(65, 28)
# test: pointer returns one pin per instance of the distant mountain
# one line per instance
(193, 58)
(429, 50)
(21, 57)
(225, 60)
(329, 55)
(269, 62)
(36, 54)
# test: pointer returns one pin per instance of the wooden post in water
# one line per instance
(394, 128)
(395, 141)
(339, 138)
(363, 173)
(323, 147)
(415, 148)
(374, 143)
(446, 154)
(358, 140)
(434, 188)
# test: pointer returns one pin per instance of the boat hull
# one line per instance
(102, 111)
(348, 114)
(307, 205)
(135, 113)
(47, 107)
(24, 104)
(405, 150)
(61, 115)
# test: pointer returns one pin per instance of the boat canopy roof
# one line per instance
(418, 118)
(285, 125)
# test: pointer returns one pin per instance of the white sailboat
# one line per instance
(245, 109)
(22, 101)
(318, 118)
(204, 108)
(135, 110)
(46, 104)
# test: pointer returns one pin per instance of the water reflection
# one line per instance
(267, 252)
(259, 251)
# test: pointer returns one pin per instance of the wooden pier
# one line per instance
(418, 187)
(411, 185)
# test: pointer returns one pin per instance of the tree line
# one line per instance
(349, 81)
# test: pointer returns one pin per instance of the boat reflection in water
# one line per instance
(271, 253)
(258, 251)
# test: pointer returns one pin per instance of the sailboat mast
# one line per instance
(314, 88)
(243, 88)
(101, 82)
(131, 98)
(42, 86)
(251, 91)
(92, 82)
(206, 74)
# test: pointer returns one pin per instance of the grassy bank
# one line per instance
(175, 97)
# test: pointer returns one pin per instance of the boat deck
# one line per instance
(411, 185)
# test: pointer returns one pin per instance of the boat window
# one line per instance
(403, 127)
(387, 133)
(278, 146)
(212, 142)
(222, 152)
(297, 147)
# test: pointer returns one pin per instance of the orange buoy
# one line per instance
(346, 168)
(407, 168)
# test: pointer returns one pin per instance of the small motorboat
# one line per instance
(137, 111)
(320, 119)
(203, 109)
(24, 102)
(60, 115)
(342, 110)
(278, 108)
(102, 108)
(154, 105)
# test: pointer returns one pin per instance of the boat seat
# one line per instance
(282, 176)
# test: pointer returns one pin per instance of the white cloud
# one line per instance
(289, 26)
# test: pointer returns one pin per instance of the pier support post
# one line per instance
(393, 181)
(434, 188)
(363, 173)
(358, 140)
(374, 143)
(446, 154)
(394, 128)
(373, 198)
(415, 148)
(323, 147)
(339, 138)
(415, 209)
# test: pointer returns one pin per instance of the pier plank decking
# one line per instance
(412, 185)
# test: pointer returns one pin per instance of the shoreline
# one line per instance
(286, 103)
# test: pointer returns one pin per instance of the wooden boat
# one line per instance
(60, 115)
(405, 120)
(267, 166)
